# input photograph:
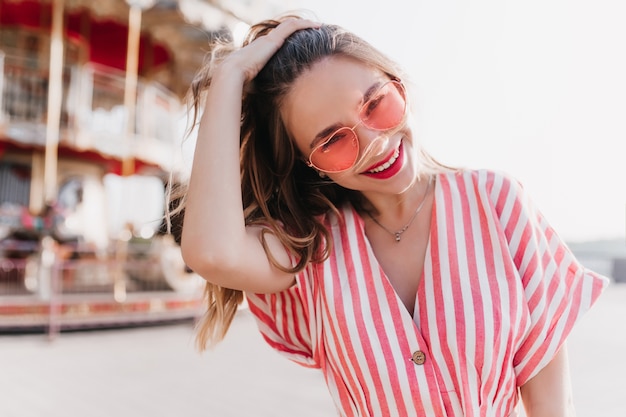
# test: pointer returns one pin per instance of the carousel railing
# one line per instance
(57, 286)
(93, 113)
(146, 266)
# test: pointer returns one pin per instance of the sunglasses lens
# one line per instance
(338, 153)
(386, 109)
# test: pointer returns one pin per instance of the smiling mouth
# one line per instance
(387, 164)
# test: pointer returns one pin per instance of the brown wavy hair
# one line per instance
(279, 191)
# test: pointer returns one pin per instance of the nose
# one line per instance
(372, 142)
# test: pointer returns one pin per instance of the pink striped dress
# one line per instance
(499, 294)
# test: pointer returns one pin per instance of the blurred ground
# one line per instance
(155, 372)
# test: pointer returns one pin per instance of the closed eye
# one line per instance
(334, 138)
(371, 106)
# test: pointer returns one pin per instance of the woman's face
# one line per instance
(347, 120)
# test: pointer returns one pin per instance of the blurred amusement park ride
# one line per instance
(92, 122)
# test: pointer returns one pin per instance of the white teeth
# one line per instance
(387, 164)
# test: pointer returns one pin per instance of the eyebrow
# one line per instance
(333, 128)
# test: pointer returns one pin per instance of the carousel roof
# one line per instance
(176, 33)
(175, 38)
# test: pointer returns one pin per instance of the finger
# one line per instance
(290, 26)
(258, 52)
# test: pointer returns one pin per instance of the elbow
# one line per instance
(215, 266)
(195, 257)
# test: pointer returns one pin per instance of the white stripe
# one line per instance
(503, 290)
(348, 312)
(360, 294)
(467, 306)
(390, 333)
(444, 267)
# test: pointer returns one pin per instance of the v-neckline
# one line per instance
(427, 259)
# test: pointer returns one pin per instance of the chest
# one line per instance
(404, 268)
(403, 261)
(460, 315)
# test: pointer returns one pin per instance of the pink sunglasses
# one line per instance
(384, 110)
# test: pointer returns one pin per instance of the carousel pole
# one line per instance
(55, 98)
(135, 11)
(130, 86)
(44, 190)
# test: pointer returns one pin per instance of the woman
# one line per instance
(417, 289)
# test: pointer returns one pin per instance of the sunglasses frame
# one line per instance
(400, 86)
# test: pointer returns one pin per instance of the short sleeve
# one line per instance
(286, 320)
(557, 289)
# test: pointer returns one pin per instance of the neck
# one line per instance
(395, 210)
(399, 231)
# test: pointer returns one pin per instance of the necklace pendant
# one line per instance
(397, 235)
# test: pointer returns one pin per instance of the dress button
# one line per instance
(418, 357)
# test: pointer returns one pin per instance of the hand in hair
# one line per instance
(262, 44)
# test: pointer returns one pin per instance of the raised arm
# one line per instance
(216, 244)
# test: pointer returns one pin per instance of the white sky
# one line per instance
(536, 88)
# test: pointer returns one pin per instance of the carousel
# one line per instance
(92, 130)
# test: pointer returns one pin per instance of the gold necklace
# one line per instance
(398, 234)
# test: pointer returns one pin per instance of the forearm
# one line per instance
(213, 212)
(549, 393)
